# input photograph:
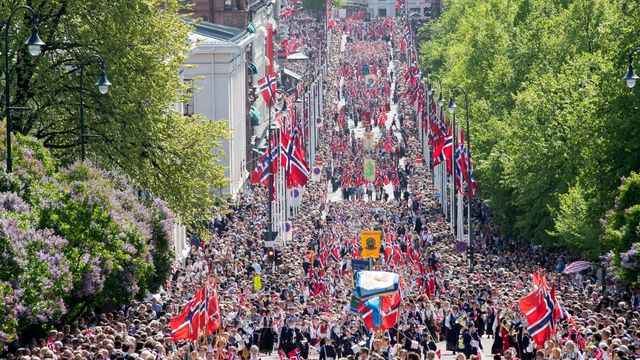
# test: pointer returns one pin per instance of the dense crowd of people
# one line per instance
(301, 305)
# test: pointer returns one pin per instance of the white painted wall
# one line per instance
(390, 6)
(218, 74)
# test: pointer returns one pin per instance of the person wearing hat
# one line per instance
(525, 344)
(471, 340)
(266, 332)
(427, 344)
(453, 328)
(288, 338)
(327, 351)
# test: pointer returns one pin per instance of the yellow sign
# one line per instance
(257, 283)
(370, 241)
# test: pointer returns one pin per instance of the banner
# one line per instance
(358, 265)
(257, 283)
(371, 242)
(369, 170)
(370, 81)
(288, 231)
(368, 142)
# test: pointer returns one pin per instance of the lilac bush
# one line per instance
(10, 311)
(113, 242)
(73, 239)
(622, 233)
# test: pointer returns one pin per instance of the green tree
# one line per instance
(136, 131)
(553, 126)
(622, 229)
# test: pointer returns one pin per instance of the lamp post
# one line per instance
(34, 46)
(630, 77)
(440, 98)
(103, 87)
(452, 107)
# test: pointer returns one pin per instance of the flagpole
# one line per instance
(470, 250)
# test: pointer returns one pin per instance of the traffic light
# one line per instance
(271, 255)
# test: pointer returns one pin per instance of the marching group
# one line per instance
(300, 306)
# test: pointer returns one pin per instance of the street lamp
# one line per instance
(440, 98)
(34, 46)
(103, 85)
(630, 77)
(452, 105)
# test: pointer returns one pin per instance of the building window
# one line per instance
(382, 12)
(189, 104)
(228, 4)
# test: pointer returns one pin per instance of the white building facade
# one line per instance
(380, 8)
(216, 69)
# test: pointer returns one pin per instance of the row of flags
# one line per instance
(288, 151)
(453, 152)
(200, 316)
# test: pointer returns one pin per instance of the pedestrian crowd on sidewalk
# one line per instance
(300, 309)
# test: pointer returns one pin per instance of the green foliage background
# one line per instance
(137, 132)
(554, 126)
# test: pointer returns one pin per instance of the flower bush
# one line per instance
(622, 233)
(10, 311)
(72, 240)
(109, 230)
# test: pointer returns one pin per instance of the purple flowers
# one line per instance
(10, 202)
(77, 237)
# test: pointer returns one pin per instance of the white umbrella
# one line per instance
(576, 266)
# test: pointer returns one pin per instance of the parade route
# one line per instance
(356, 261)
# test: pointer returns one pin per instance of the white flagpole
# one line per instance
(443, 178)
(460, 216)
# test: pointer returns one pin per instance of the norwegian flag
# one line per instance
(381, 312)
(598, 353)
(559, 311)
(472, 176)
(355, 253)
(295, 354)
(538, 308)
(334, 254)
(51, 345)
(460, 166)
(443, 152)
(262, 170)
(437, 126)
(388, 255)
(213, 309)
(324, 255)
(416, 93)
(293, 161)
(268, 88)
(406, 38)
(282, 355)
(185, 326)
(412, 73)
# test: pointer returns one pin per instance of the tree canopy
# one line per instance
(553, 126)
(134, 127)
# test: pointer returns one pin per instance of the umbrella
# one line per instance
(576, 266)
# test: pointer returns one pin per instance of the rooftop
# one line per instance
(219, 32)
